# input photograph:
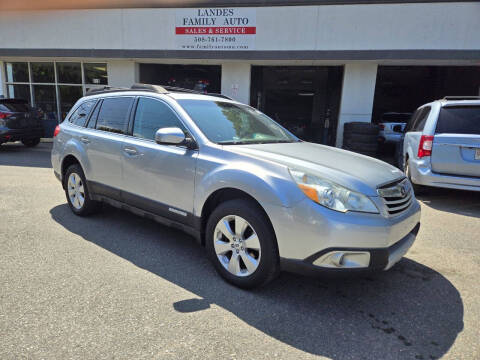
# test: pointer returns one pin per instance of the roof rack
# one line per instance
(190, 91)
(468, 97)
(104, 89)
(150, 87)
(219, 95)
(159, 89)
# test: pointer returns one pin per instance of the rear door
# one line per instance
(456, 145)
(103, 140)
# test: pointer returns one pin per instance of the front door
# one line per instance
(157, 178)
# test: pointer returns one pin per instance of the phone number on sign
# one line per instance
(214, 39)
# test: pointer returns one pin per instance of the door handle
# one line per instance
(130, 151)
(84, 140)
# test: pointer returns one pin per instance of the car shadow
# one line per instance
(460, 202)
(411, 311)
(17, 154)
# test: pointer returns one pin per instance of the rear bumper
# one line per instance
(7, 134)
(379, 258)
(422, 174)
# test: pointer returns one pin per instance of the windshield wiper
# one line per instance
(276, 141)
(254, 142)
(234, 142)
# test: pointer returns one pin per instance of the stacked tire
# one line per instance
(361, 137)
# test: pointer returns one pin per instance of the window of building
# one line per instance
(43, 72)
(95, 73)
(53, 87)
(16, 72)
(69, 72)
(113, 115)
(152, 115)
(68, 97)
(45, 99)
(19, 91)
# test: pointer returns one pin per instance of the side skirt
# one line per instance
(149, 215)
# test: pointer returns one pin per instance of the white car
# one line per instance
(390, 124)
(442, 144)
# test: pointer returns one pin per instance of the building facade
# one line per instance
(312, 66)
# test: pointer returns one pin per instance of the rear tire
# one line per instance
(241, 244)
(31, 142)
(76, 191)
(417, 189)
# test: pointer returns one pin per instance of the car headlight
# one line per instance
(331, 195)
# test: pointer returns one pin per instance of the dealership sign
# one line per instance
(215, 29)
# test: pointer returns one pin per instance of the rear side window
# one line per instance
(93, 118)
(81, 113)
(152, 115)
(459, 120)
(421, 119)
(412, 120)
(14, 106)
(113, 115)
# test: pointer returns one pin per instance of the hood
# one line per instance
(354, 171)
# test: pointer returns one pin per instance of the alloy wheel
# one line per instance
(76, 191)
(237, 245)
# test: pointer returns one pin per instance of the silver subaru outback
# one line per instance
(258, 198)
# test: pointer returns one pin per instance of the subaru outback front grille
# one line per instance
(396, 196)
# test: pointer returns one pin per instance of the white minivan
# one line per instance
(442, 144)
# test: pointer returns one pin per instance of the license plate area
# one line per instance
(477, 154)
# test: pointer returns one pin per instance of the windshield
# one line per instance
(229, 123)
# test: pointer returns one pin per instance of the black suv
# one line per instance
(19, 121)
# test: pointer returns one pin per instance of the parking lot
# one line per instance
(115, 285)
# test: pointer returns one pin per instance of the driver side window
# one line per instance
(152, 115)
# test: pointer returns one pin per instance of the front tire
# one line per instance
(31, 142)
(241, 244)
(76, 190)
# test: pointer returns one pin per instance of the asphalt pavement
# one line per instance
(115, 285)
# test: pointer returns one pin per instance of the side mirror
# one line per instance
(170, 136)
(174, 136)
(398, 129)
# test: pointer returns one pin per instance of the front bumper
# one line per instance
(379, 259)
(7, 134)
(307, 231)
(422, 174)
